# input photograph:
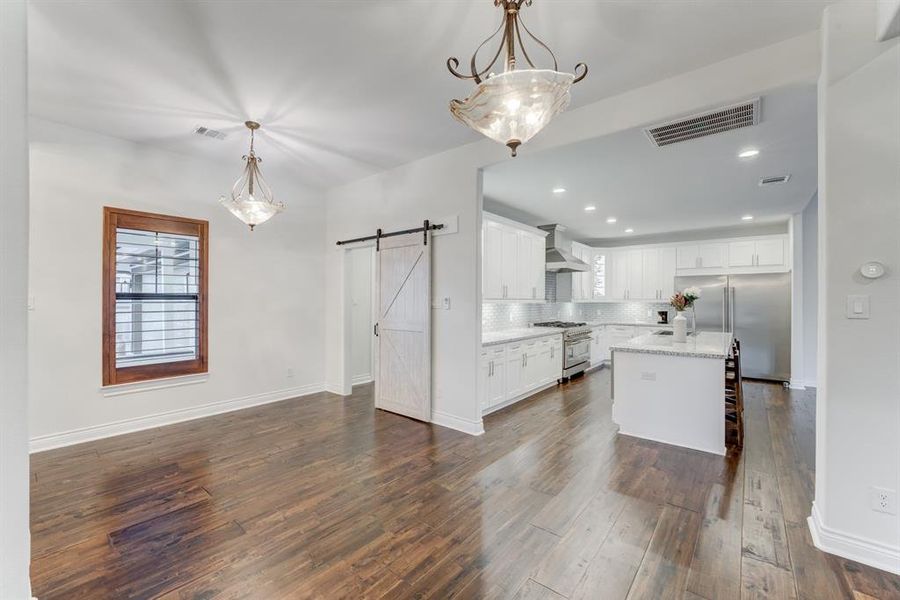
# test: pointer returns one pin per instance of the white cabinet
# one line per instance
(618, 270)
(509, 257)
(666, 280)
(513, 262)
(583, 282)
(510, 371)
(763, 252)
(531, 265)
(770, 253)
(493, 369)
(484, 372)
(626, 274)
(491, 267)
(641, 274)
(635, 274)
(741, 254)
(599, 346)
(658, 273)
(531, 364)
(515, 367)
(702, 256)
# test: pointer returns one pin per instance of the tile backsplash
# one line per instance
(496, 316)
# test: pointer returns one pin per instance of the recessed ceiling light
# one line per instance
(629, 230)
(559, 190)
(590, 207)
(611, 220)
(747, 218)
(748, 153)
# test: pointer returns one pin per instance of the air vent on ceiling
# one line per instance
(722, 119)
(774, 180)
(207, 132)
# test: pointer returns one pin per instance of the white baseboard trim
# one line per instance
(862, 550)
(457, 423)
(519, 398)
(96, 432)
(361, 379)
(810, 383)
(332, 388)
(720, 451)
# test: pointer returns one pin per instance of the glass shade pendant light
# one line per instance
(251, 198)
(513, 106)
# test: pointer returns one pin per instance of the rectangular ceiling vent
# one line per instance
(775, 180)
(739, 115)
(207, 132)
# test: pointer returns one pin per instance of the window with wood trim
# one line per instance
(154, 296)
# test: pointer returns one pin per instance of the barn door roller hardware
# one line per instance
(425, 228)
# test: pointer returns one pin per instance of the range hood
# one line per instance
(559, 251)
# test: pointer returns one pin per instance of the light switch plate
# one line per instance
(857, 307)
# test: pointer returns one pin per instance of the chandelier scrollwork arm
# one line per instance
(511, 25)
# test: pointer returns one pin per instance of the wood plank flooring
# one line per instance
(324, 497)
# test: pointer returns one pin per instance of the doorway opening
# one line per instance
(360, 296)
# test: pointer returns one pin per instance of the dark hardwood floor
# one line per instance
(323, 497)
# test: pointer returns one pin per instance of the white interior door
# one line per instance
(403, 381)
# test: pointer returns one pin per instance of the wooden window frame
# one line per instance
(113, 218)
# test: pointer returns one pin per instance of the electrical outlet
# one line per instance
(883, 500)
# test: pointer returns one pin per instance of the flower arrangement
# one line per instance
(684, 300)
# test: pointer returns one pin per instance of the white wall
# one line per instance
(810, 252)
(858, 411)
(360, 278)
(14, 537)
(265, 295)
(449, 184)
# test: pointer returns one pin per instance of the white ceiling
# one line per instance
(348, 88)
(698, 184)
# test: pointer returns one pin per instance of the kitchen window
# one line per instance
(154, 296)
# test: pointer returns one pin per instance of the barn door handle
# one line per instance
(375, 329)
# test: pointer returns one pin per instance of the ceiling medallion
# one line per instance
(515, 105)
(251, 198)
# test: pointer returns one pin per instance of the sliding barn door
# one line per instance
(403, 380)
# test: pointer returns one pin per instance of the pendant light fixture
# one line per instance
(513, 106)
(251, 198)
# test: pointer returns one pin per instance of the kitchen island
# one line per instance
(672, 392)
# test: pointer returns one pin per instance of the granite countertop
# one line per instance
(515, 334)
(706, 344)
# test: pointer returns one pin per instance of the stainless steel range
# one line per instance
(576, 346)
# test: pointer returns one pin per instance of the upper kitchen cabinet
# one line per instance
(512, 261)
(702, 256)
(762, 252)
(657, 273)
(583, 283)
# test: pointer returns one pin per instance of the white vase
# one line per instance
(680, 327)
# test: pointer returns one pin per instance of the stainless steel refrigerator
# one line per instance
(757, 310)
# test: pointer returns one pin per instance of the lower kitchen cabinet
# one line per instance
(599, 346)
(511, 372)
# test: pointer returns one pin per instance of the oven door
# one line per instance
(577, 351)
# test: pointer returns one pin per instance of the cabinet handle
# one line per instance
(534, 292)
(491, 369)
